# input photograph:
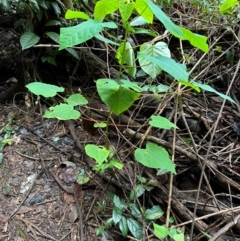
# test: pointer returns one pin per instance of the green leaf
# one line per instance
(53, 23)
(159, 49)
(189, 84)
(82, 177)
(82, 32)
(135, 210)
(62, 112)
(54, 36)
(227, 4)
(100, 230)
(166, 21)
(34, 5)
(145, 31)
(138, 21)
(161, 122)
(98, 153)
(178, 71)
(135, 228)
(182, 33)
(196, 40)
(73, 52)
(144, 10)
(116, 163)
(131, 85)
(70, 14)
(56, 8)
(116, 215)
(176, 234)
(77, 99)
(126, 58)
(49, 59)
(45, 90)
(104, 7)
(118, 203)
(210, 89)
(1, 157)
(137, 192)
(117, 97)
(105, 40)
(123, 226)
(154, 213)
(154, 156)
(160, 231)
(100, 125)
(125, 9)
(28, 39)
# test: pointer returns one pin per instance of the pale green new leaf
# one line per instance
(125, 10)
(28, 39)
(70, 14)
(210, 89)
(160, 231)
(45, 90)
(82, 32)
(154, 156)
(76, 99)
(227, 4)
(135, 228)
(62, 112)
(98, 153)
(176, 235)
(159, 49)
(144, 10)
(178, 71)
(104, 7)
(161, 122)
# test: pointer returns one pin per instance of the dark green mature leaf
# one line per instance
(135, 210)
(135, 228)
(116, 215)
(28, 39)
(123, 226)
(118, 203)
(154, 213)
